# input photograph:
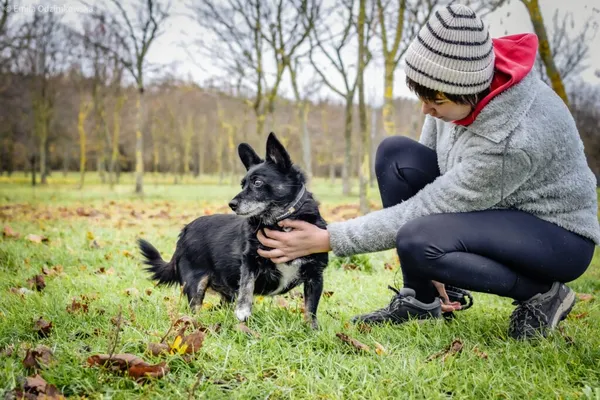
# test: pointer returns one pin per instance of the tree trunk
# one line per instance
(114, 158)
(306, 147)
(32, 162)
(389, 124)
(348, 147)
(84, 109)
(139, 159)
(535, 15)
(373, 148)
(363, 173)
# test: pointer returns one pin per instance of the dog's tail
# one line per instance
(163, 272)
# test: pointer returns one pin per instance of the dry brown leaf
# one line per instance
(379, 349)
(35, 387)
(37, 282)
(77, 305)
(144, 371)
(134, 366)
(128, 254)
(193, 341)
(148, 291)
(43, 327)
(242, 327)
(479, 353)
(579, 316)
(34, 358)
(364, 328)
(56, 270)
(454, 348)
(328, 294)
(185, 321)
(9, 232)
(158, 348)
(36, 238)
(585, 297)
(132, 292)
(353, 342)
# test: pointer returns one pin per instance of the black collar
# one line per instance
(296, 204)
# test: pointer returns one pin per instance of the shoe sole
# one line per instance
(564, 309)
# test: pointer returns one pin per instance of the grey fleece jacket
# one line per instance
(523, 152)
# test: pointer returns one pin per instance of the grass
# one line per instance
(288, 360)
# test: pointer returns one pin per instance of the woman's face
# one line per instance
(445, 109)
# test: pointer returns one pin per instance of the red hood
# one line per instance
(515, 57)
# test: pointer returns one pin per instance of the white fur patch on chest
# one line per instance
(289, 272)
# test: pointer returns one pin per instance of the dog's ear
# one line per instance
(248, 155)
(277, 154)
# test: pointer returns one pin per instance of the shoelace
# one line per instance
(525, 312)
(397, 297)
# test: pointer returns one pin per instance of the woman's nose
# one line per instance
(425, 108)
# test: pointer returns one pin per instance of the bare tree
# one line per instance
(403, 19)
(248, 36)
(135, 30)
(44, 58)
(333, 45)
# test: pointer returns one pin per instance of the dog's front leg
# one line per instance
(313, 289)
(243, 308)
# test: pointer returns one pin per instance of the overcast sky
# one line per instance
(183, 30)
(180, 32)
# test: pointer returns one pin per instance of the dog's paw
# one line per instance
(242, 313)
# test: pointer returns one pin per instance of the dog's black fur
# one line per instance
(218, 252)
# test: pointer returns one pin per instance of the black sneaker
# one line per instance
(541, 313)
(403, 307)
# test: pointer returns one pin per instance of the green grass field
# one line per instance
(91, 260)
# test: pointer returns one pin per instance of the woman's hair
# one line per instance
(427, 94)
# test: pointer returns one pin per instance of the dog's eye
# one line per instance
(257, 183)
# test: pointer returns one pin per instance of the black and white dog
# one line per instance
(218, 252)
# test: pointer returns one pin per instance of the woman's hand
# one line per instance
(446, 305)
(304, 239)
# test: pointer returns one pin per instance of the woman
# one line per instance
(496, 197)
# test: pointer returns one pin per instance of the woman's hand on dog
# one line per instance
(304, 239)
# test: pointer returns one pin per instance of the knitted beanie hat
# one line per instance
(452, 53)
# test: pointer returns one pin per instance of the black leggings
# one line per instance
(505, 252)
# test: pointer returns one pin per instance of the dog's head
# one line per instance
(269, 185)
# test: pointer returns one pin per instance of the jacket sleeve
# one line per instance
(429, 133)
(477, 183)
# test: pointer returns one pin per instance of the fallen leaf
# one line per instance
(364, 328)
(350, 267)
(185, 321)
(90, 235)
(56, 270)
(40, 355)
(9, 232)
(193, 342)
(76, 305)
(480, 353)
(36, 238)
(95, 244)
(8, 350)
(140, 371)
(242, 327)
(388, 266)
(579, 316)
(454, 348)
(128, 254)
(35, 387)
(353, 342)
(132, 292)
(379, 349)
(148, 291)
(135, 366)
(328, 294)
(37, 282)
(585, 297)
(158, 348)
(43, 327)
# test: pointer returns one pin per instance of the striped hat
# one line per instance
(452, 53)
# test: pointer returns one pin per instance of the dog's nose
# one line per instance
(233, 204)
